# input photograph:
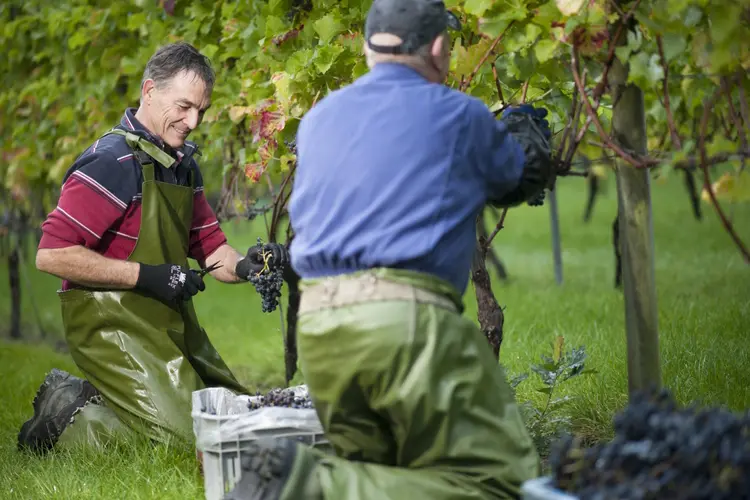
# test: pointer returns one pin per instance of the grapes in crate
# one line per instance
(268, 282)
(660, 451)
(285, 398)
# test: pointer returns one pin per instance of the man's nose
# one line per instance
(193, 117)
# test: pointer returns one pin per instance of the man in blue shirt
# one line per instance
(392, 173)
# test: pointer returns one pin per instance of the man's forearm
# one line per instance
(227, 257)
(88, 268)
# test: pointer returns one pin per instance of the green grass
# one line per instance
(704, 319)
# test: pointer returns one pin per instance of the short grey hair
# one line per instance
(174, 58)
(420, 56)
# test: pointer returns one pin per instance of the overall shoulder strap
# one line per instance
(139, 144)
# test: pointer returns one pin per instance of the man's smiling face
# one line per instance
(177, 107)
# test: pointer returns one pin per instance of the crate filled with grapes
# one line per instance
(660, 450)
(224, 423)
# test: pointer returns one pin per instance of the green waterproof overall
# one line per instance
(144, 356)
(408, 393)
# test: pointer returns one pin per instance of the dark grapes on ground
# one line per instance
(660, 451)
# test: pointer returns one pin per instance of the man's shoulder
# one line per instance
(473, 105)
(108, 147)
(330, 102)
(107, 157)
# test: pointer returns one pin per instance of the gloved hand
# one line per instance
(253, 262)
(538, 114)
(530, 129)
(169, 282)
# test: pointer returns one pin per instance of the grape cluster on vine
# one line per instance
(660, 451)
(538, 201)
(291, 145)
(285, 398)
(298, 6)
(268, 282)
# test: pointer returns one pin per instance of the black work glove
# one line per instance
(529, 127)
(539, 115)
(169, 282)
(253, 262)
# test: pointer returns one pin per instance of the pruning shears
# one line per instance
(205, 271)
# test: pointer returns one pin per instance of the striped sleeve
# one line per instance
(96, 192)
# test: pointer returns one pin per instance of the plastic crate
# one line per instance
(224, 427)
(541, 488)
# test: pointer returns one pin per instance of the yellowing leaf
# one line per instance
(569, 7)
(281, 80)
(731, 187)
(236, 113)
(266, 150)
(253, 171)
(557, 349)
(467, 60)
(599, 171)
(287, 161)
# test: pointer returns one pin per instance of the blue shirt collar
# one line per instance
(396, 71)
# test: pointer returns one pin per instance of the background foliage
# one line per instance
(71, 67)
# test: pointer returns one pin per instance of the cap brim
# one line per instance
(452, 21)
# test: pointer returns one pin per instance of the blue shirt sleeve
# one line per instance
(497, 155)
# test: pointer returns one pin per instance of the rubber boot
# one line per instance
(59, 398)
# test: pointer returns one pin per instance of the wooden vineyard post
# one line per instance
(636, 234)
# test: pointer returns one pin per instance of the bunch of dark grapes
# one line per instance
(297, 7)
(291, 146)
(268, 284)
(284, 398)
(660, 451)
(538, 201)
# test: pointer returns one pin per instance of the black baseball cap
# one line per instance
(416, 22)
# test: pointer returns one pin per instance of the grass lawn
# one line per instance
(704, 319)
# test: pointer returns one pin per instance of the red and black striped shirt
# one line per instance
(100, 202)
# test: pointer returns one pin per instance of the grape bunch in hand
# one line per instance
(264, 268)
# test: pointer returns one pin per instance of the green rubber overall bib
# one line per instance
(144, 356)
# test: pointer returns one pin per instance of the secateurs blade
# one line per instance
(208, 269)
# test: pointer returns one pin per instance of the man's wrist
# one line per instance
(140, 274)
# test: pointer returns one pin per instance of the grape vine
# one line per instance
(71, 69)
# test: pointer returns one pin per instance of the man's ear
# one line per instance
(147, 89)
(438, 46)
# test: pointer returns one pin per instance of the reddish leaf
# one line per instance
(168, 6)
(266, 151)
(271, 122)
(255, 117)
(284, 37)
(253, 171)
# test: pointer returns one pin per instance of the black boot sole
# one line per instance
(40, 433)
